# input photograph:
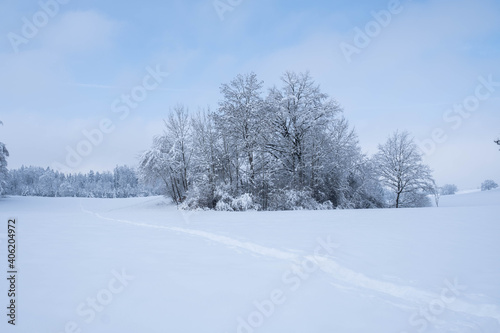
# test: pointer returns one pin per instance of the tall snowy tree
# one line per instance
(4, 153)
(346, 176)
(208, 168)
(239, 119)
(169, 159)
(401, 169)
(299, 111)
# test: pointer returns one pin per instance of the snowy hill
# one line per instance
(139, 265)
(472, 198)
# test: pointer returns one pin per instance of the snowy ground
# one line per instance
(139, 265)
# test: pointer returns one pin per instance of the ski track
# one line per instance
(333, 269)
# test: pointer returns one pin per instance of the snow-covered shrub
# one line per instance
(201, 196)
(239, 204)
(449, 189)
(244, 202)
(488, 185)
(223, 206)
(287, 199)
(222, 197)
(327, 205)
(192, 201)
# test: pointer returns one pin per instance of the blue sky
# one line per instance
(426, 59)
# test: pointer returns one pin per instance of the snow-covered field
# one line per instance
(140, 265)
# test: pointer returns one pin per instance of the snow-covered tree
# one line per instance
(169, 158)
(239, 119)
(299, 112)
(344, 175)
(488, 185)
(400, 168)
(4, 153)
(207, 166)
(125, 182)
(436, 192)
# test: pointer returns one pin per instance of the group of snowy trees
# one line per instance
(284, 148)
(35, 181)
(287, 148)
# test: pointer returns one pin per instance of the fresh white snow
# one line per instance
(140, 265)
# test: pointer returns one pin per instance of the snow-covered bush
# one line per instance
(201, 195)
(244, 202)
(488, 185)
(193, 200)
(449, 189)
(287, 199)
(239, 204)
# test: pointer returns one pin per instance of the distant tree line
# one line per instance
(283, 148)
(35, 181)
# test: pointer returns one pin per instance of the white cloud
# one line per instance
(36, 76)
(80, 31)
